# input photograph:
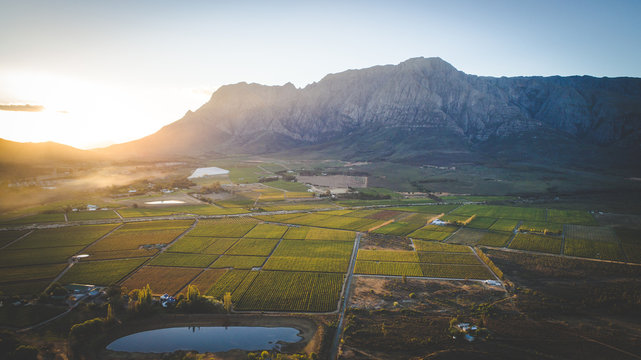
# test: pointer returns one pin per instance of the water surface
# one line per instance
(206, 339)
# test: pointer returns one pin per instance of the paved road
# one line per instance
(345, 299)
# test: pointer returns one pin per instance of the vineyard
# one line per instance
(239, 262)
(66, 236)
(504, 225)
(496, 239)
(534, 242)
(594, 249)
(101, 272)
(316, 264)
(257, 247)
(292, 291)
(161, 279)
(388, 268)
(186, 260)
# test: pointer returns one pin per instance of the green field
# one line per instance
(430, 232)
(534, 242)
(541, 227)
(220, 246)
(448, 258)
(466, 236)
(570, 217)
(227, 283)
(100, 272)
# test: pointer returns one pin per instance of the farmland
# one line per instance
(66, 236)
(533, 242)
(101, 272)
(185, 260)
(292, 291)
(161, 279)
(239, 262)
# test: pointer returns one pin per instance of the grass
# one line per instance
(292, 291)
(533, 242)
(594, 249)
(100, 272)
(65, 236)
(161, 279)
(267, 231)
(186, 260)
(239, 262)
(258, 247)
(290, 263)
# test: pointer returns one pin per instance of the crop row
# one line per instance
(292, 291)
(307, 264)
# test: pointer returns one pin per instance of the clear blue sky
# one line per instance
(141, 64)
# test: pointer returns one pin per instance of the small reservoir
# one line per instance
(207, 339)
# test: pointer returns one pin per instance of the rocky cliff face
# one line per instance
(419, 106)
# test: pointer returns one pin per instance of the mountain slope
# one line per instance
(12, 152)
(418, 110)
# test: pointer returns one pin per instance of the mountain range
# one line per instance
(422, 110)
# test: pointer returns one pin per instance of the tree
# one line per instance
(110, 314)
(227, 301)
(193, 294)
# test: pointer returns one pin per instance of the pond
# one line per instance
(207, 339)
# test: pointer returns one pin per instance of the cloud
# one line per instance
(27, 107)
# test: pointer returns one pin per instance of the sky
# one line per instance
(101, 72)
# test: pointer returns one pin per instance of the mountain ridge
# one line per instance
(418, 96)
